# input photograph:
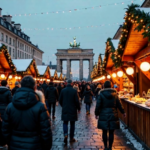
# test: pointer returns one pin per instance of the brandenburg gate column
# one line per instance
(81, 70)
(68, 68)
(90, 67)
(59, 65)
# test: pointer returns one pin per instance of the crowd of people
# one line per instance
(26, 111)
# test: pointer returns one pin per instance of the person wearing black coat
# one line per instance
(52, 98)
(17, 86)
(44, 86)
(39, 87)
(26, 124)
(5, 97)
(59, 88)
(88, 94)
(106, 108)
(97, 91)
(70, 105)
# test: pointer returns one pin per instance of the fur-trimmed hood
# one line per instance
(108, 92)
(41, 96)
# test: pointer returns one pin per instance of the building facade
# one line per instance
(17, 42)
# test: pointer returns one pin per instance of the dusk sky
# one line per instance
(52, 24)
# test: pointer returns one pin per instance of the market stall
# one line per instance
(132, 56)
(60, 76)
(44, 72)
(23, 67)
(6, 65)
(54, 76)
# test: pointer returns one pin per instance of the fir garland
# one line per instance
(3, 49)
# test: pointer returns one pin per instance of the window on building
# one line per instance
(18, 43)
(2, 36)
(13, 53)
(18, 53)
(6, 38)
(13, 42)
(23, 55)
(10, 51)
(10, 41)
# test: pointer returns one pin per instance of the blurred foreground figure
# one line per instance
(26, 123)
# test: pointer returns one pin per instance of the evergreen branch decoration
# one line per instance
(3, 49)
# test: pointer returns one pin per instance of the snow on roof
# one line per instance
(58, 73)
(52, 71)
(146, 10)
(115, 43)
(41, 69)
(21, 64)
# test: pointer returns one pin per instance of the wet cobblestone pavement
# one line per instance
(86, 133)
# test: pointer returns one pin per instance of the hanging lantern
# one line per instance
(19, 78)
(130, 71)
(114, 75)
(108, 76)
(103, 77)
(145, 66)
(16, 77)
(10, 77)
(119, 73)
(2, 76)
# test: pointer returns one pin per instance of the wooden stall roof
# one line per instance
(135, 43)
(53, 73)
(6, 64)
(59, 75)
(44, 71)
(26, 67)
(109, 62)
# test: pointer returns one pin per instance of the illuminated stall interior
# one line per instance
(44, 72)
(6, 65)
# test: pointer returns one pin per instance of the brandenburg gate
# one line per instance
(73, 54)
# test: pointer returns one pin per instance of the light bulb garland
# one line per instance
(3, 49)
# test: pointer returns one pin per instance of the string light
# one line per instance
(85, 8)
(62, 28)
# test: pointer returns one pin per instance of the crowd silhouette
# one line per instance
(26, 111)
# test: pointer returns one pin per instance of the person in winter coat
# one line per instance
(44, 87)
(59, 88)
(41, 96)
(88, 94)
(106, 108)
(70, 105)
(39, 87)
(52, 98)
(98, 89)
(17, 86)
(5, 97)
(26, 123)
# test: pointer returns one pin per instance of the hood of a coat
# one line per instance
(24, 98)
(51, 87)
(3, 89)
(108, 93)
